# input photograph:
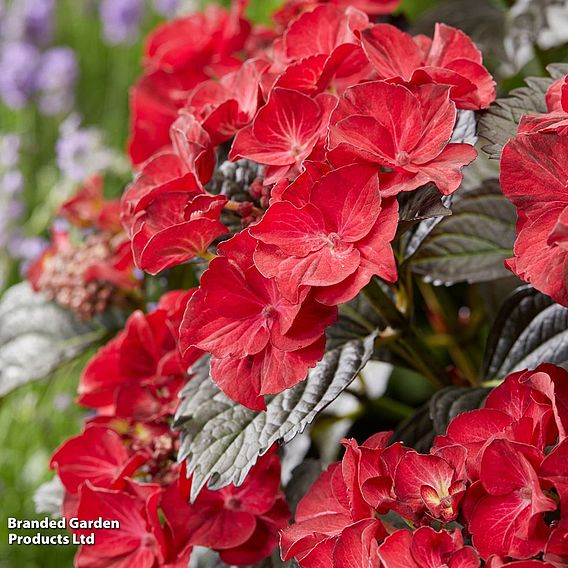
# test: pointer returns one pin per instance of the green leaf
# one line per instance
(260, 11)
(471, 244)
(433, 418)
(529, 329)
(222, 440)
(36, 336)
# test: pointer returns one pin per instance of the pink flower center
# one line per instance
(402, 158)
(526, 493)
(148, 541)
(269, 312)
(333, 239)
(233, 503)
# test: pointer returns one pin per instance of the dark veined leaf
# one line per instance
(36, 336)
(357, 318)
(222, 440)
(416, 431)
(499, 123)
(529, 329)
(433, 418)
(303, 477)
(471, 244)
(427, 202)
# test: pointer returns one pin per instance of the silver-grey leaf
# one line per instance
(465, 130)
(36, 336)
(48, 497)
(222, 440)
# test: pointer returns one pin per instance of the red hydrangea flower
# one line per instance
(97, 455)
(320, 51)
(511, 502)
(321, 31)
(175, 227)
(334, 238)
(284, 131)
(261, 343)
(450, 58)
(241, 523)
(140, 541)
(227, 105)
(334, 523)
(426, 548)
(557, 96)
(534, 176)
(404, 129)
(139, 373)
(173, 66)
(168, 216)
(88, 207)
(529, 407)
(216, 35)
(432, 483)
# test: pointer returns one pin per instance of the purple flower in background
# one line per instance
(9, 150)
(11, 182)
(56, 80)
(25, 248)
(30, 21)
(80, 151)
(121, 20)
(167, 8)
(18, 72)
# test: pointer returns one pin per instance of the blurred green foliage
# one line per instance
(34, 420)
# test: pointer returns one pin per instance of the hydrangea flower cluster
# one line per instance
(534, 176)
(340, 116)
(30, 69)
(492, 489)
(123, 465)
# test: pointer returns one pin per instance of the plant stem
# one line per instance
(408, 344)
(449, 327)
